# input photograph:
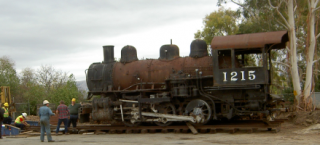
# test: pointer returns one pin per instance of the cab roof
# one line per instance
(254, 40)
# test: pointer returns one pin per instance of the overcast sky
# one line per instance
(69, 34)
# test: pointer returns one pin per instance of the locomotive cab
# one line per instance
(242, 64)
(237, 67)
(232, 54)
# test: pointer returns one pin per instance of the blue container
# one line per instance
(33, 123)
(10, 131)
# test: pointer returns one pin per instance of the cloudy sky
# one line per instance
(69, 34)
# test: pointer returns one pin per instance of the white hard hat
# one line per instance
(45, 102)
(24, 115)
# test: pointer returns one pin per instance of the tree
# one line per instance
(220, 23)
(66, 92)
(298, 17)
(8, 75)
(47, 83)
(30, 90)
(312, 5)
(50, 78)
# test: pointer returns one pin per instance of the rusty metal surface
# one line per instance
(157, 71)
(103, 114)
(255, 40)
(85, 110)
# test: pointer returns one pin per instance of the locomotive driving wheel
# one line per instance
(165, 108)
(200, 109)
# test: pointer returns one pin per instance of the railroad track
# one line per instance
(231, 127)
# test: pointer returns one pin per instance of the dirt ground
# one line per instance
(301, 128)
(289, 134)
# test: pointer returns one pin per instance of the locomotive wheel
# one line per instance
(199, 107)
(166, 108)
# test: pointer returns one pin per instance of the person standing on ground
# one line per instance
(21, 121)
(1, 119)
(63, 112)
(44, 114)
(7, 119)
(73, 110)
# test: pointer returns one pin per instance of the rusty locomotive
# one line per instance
(198, 88)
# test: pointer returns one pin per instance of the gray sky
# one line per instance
(69, 34)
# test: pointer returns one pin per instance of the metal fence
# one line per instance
(21, 108)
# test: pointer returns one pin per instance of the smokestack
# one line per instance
(108, 55)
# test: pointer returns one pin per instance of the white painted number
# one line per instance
(224, 76)
(251, 75)
(242, 74)
(234, 74)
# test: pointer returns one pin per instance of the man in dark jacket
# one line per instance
(1, 119)
(73, 110)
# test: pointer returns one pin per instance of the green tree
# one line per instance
(8, 75)
(66, 92)
(220, 23)
(251, 17)
(30, 90)
(301, 20)
(49, 84)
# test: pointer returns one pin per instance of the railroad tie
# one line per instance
(191, 127)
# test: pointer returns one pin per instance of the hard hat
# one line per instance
(24, 115)
(6, 104)
(45, 102)
(73, 99)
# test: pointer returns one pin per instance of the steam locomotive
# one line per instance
(198, 89)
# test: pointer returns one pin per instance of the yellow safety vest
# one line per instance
(18, 119)
(6, 112)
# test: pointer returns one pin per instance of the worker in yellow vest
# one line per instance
(7, 119)
(21, 121)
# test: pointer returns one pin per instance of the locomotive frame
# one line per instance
(197, 89)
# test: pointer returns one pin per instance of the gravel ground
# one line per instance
(286, 136)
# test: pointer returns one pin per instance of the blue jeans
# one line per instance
(65, 123)
(45, 127)
(73, 120)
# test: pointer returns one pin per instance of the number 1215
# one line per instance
(234, 74)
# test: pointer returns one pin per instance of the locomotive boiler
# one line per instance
(199, 88)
